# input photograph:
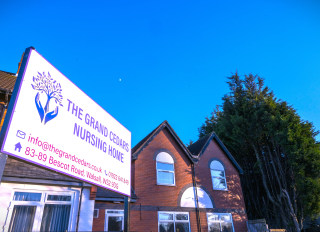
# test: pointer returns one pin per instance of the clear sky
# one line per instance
(149, 61)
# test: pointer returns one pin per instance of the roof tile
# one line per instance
(7, 81)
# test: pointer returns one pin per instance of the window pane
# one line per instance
(182, 227)
(55, 217)
(166, 227)
(214, 227)
(163, 166)
(95, 213)
(226, 218)
(217, 173)
(226, 226)
(25, 196)
(213, 217)
(165, 216)
(22, 218)
(59, 198)
(216, 165)
(219, 183)
(115, 223)
(182, 216)
(165, 177)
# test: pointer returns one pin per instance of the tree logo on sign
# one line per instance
(47, 86)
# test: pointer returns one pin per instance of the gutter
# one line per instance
(111, 199)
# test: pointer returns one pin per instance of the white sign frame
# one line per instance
(52, 123)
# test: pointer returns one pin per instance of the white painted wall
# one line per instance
(86, 211)
(5, 196)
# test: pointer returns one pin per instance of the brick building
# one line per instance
(175, 188)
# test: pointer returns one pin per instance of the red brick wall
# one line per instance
(153, 198)
(150, 195)
(144, 221)
(232, 199)
(98, 223)
(204, 223)
(193, 221)
(240, 222)
(145, 177)
(140, 220)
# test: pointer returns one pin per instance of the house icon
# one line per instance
(18, 146)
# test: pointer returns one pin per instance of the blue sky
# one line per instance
(149, 61)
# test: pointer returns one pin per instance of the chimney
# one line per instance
(19, 64)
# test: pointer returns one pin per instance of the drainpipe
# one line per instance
(196, 195)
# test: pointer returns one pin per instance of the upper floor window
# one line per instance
(165, 169)
(218, 176)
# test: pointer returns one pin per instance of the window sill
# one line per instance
(170, 185)
(225, 190)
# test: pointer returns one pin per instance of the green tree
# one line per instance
(276, 149)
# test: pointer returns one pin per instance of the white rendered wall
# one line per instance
(5, 197)
(86, 211)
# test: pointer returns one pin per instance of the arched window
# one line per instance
(165, 169)
(188, 198)
(218, 176)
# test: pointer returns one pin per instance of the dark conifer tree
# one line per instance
(276, 149)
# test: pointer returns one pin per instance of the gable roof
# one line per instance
(136, 150)
(199, 147)
(7, 81)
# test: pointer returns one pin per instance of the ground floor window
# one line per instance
(173, 222)
(220, 222)
(40, 211)
(114, 220)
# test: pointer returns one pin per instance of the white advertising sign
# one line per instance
(55, 125)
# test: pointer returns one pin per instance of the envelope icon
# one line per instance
(21, 134)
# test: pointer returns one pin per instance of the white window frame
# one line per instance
(218, 177)
(220, 214)
(169, 171)
(40, 206)
(174, 221)
(110, 212)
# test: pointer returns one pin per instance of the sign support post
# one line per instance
(126, 214)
